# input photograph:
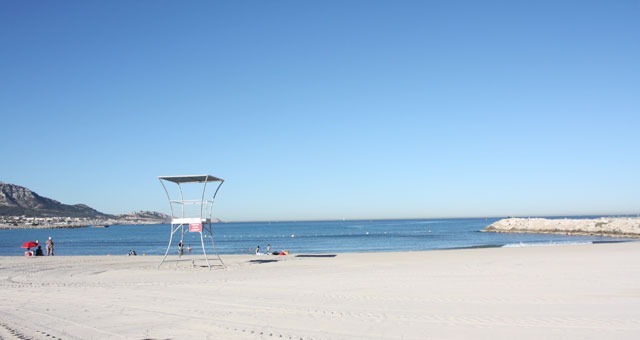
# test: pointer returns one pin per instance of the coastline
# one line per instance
(569, 292)
(96, 224)
(310, 237)
(51, 226)
(628, 227)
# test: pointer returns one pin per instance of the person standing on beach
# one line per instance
(180, 249)
(49, 246)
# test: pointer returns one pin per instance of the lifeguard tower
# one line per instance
(191, 212)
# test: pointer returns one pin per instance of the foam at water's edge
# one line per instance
(543, 244)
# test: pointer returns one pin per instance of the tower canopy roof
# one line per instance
(191, 179)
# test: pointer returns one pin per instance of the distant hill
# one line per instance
(145, 215)
(20, 201)
(16, 201)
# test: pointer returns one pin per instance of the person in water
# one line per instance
(49, 246)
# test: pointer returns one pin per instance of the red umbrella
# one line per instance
(29, 244)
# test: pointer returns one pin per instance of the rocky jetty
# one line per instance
(604, 226)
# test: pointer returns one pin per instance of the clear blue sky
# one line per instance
(326, 109)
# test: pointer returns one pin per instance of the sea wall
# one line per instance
(604, 226)
(79, 224)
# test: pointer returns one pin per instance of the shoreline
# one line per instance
(570, 292)
(97, 224)
(39, 227)
(20, 253)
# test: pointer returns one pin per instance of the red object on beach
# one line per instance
(29, 244)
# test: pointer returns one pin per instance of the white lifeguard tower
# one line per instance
(192, 213)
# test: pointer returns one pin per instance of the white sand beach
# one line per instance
(554, 292)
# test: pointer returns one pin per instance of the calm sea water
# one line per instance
(319, 237)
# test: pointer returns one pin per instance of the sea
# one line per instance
(304, 237)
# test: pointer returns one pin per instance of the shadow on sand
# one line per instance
(262, 261)
(323, 255)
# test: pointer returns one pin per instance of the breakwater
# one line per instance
(603, 226)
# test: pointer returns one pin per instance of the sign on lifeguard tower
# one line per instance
(195, 227)
(191, 211)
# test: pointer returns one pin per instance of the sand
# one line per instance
(553, 292)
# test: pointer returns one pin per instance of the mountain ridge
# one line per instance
(17, 200)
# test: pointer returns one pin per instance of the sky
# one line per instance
(326, 109)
